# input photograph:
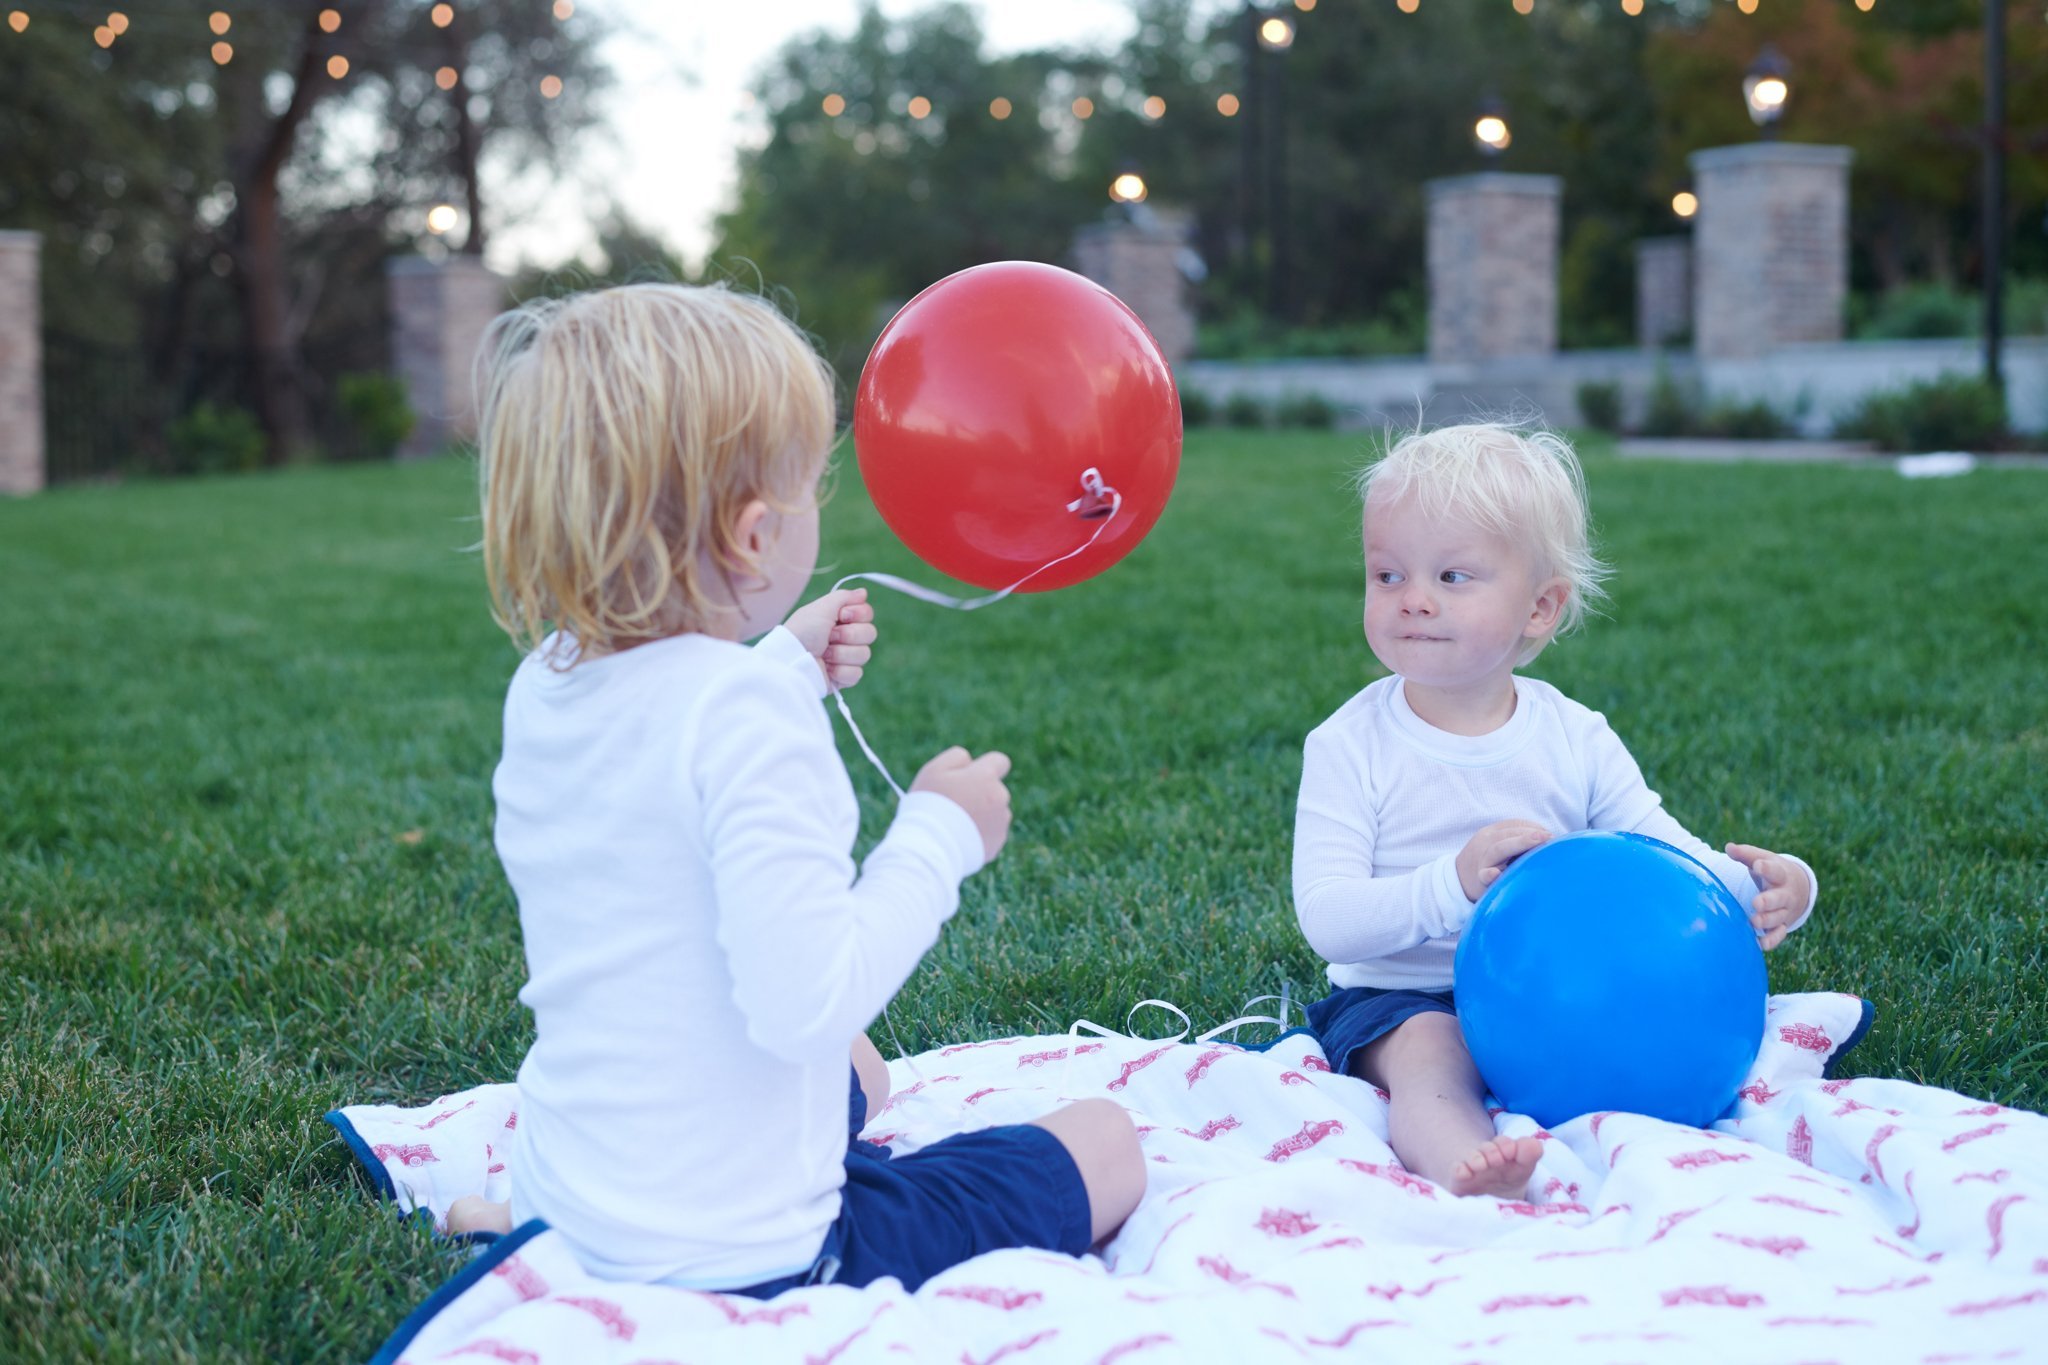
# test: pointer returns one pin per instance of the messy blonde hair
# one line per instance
(1517, 482)
(621, 432)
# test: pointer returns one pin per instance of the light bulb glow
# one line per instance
(1227, 105)
(446, 77)
(1276, 33)
(550, 87)
(999, 108)
(441, 218)
(18, 21)
(442, 15)
(1128, 188)
(1492, 130)
(1685, 203)
(1155, 107)
(223, 53)
(834, 105)
(1083, 107)
(219, 22)
(1770, 93)
(330, 20)
(337, 66)
(920, 107)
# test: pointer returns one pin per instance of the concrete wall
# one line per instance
(1663, 290)
(1813, 384)
(1770, 247)
(23, 459)
(1141, 257)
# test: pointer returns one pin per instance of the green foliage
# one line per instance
(1305, 409)
(379, 416)
(1600, 405)
(1399, 327)
(1951, 412)
(1755, 420)
(253, 878)
(1673, 406)
(1245, 410)
(1196, 409)
(1916, 311)
(214, 438)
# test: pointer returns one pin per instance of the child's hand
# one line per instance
(976, 786)
(1487, 853)
(837, 629)
(1784, 895)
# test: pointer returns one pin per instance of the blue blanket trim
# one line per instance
(1863, 1024)
(416, 1321)
(363, 1153)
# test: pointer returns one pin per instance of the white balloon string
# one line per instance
(1097, 500)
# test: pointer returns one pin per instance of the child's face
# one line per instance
(788, 557)
(1449, 604)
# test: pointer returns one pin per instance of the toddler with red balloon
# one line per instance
(1419, 791)
(703, 954)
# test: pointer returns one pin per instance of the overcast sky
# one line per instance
(678, 111)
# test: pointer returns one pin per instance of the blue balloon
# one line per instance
(1606, 970)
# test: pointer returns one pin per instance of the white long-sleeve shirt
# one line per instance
(677, 827)
(1388, 800)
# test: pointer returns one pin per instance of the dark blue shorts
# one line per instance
(913, 1216)
(1349, 1017)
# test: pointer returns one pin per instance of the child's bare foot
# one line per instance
(1501, 1167)
(474, 1213)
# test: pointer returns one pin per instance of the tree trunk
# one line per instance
(261, 267)
(468, 141)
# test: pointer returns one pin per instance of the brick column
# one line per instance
(1493, 266)
(1771, 247)
(439, 310)
(1663, 290)
(1139, 257)
(23, 463)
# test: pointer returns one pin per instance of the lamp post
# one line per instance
(1994, 193)
(1766, 87)
(1490, 131)
(1267, 36)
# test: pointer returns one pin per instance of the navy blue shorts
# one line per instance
(1349, 1017)
(913, 1216)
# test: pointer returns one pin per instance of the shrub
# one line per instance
(1306, 410)
(1672, 407)
(1195, 408)
(1244, 410)
(214, 439)
(1951, 412)
(1754, 420)
(1600, 404)
(379, 417)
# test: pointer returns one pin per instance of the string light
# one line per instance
(564, 8)
(834, 105)
(223, 53)
(219, 22)
(1866, 5)
(1155, 107)
(118, 22)
(1083, 107)
(442, 15)
(1685, 203)
(1631, 7)
(550, 86)
(920, 106)
(103, 35)
(337, 67)
(330, 20)
(1525, 6)
(1226, 104)
(999, 108)
(446, 77)
(1304, 5)
(1408, 6)
(18, 21)
(1746, 6)
(442, 218)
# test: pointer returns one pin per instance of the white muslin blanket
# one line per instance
(1839, 1220)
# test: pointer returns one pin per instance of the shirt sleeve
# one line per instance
(781, 645)
(1623, 800)
(815, 949)
(1346, 913)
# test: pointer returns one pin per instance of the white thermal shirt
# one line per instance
(1387, 801)
(701, 952)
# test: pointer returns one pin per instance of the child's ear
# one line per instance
(1549, 608)
(750, 529)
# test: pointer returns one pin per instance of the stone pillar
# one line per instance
(439, 310)
(1771, 247)
(23, 461)
(1493, 267)
(1663, 290)
(1142, 256)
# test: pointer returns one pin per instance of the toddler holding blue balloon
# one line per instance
(1422, 788)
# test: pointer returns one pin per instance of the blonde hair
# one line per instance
(620, 434)
(1520, 483)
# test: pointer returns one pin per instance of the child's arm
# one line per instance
(815, 947)
(1346, 913)
(1777, 889)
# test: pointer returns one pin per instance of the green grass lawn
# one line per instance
(247, 729)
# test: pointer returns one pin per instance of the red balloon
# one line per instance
(984, 402)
